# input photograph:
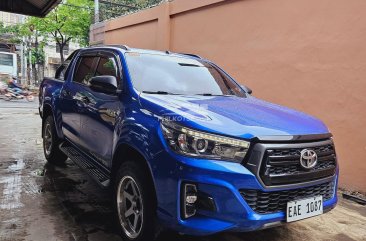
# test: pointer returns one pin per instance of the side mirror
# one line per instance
(105, 84)
(247, 89)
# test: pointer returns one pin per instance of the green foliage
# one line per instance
(2, 28)
(10, 33)
(68, 21)
(38, 54)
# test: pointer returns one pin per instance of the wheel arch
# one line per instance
(47, 111)
(125, 152)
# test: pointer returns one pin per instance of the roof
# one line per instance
(38, 8)
(125, 48)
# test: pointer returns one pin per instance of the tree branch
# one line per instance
(54, 34)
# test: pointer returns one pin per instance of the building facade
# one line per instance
(10, 18)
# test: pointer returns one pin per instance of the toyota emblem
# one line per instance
(308, 158)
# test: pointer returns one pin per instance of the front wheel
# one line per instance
(51, 143)
(135, 203)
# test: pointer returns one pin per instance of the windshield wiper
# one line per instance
(158, 92)
(210, 94)
(190, 65)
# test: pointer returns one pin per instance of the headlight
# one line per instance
(189, 142)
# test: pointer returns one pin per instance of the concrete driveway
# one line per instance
(42, 202)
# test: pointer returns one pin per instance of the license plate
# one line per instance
(304, 208)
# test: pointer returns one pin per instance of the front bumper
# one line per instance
(221, 181)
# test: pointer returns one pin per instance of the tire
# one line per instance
(51, 143)
(139, 202)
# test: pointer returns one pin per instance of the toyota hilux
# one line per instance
(182, 145)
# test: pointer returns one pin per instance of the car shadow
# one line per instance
(89, 210)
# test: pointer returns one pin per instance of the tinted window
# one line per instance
(60, 72)
(179, 75)
(85, 70)
(63, 70)
(107, 66)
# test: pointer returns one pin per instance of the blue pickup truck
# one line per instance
(183, 146)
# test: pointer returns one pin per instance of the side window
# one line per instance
(60, 72)
(85, 70)
(107, 66)
(64, 69)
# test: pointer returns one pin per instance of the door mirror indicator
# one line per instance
(105, 84)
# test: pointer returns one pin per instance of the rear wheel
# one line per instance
(135, 203)
(51, 143)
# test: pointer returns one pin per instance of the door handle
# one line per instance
(66, 93)
(83, 99)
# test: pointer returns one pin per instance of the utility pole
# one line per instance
(23, 60)
(30, 68)
(96, 11)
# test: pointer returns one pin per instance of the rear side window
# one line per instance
(63, 71)
(107, 66)
(85, 70)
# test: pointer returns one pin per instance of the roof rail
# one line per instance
(192, 55)
(122, 46)
(125, 47)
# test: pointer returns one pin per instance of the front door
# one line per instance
(72, 105)
(101, 111)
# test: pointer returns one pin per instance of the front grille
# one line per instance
(291, 169)
(282, 166)
(271, 202)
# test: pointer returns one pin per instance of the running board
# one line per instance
(86, 163)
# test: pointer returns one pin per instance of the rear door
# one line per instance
(72, 101)
(99, 117)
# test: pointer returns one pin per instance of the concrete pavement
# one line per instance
(42, 202)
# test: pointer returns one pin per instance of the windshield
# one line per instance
(153, 73)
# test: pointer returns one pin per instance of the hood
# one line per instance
(233, 116)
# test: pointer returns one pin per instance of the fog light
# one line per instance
(189, 199)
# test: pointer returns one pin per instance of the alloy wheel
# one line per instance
(130, 207)
(47, 139)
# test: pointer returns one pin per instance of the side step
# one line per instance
(98, 173)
